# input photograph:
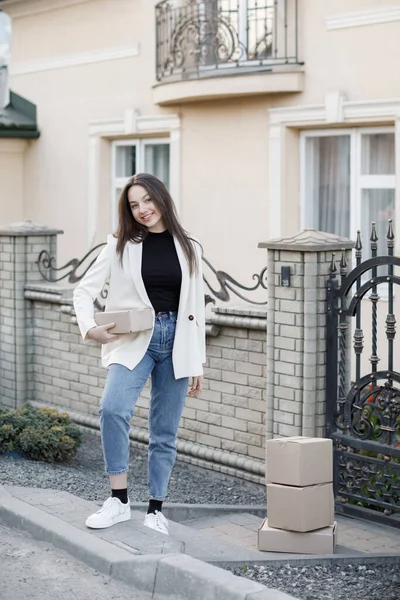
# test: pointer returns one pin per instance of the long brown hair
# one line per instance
(130, 230)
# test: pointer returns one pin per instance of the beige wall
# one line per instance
(68, 99)
(11, 180)
(225, 181)
(360, 61)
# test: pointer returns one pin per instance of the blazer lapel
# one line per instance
(135, 266)
(185, 275)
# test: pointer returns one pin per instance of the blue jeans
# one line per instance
(122, 389)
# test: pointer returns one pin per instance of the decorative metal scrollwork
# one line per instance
(226, 282)
(228, 285)
(202, 39)
(197, 37)
(368, 481)
(373, 412)
(363, 417)
(48, 270)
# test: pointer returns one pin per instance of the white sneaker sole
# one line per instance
(119, 519)
(154, 529)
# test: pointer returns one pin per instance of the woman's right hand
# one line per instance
(101, 334)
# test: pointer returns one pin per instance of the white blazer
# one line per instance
(127, 290)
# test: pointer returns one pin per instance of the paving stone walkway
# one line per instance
(241, 530)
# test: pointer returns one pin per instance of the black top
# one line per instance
(161, 271)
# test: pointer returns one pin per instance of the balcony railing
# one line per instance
(197, 38)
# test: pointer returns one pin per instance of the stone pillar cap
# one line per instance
(309, 240)
(28, 228)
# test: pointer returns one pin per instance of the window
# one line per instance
(137, 156)
(348, 181)
(237, 31)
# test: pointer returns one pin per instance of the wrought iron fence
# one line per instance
(75, 269)
(199, 38)
(363, 415)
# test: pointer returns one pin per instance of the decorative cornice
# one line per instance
(49, 298)
(309, 240)
(375, 16)
(133, 123)
(242, 310)
(24, 8)
(74, 60)
(28, 228)
(364, 110)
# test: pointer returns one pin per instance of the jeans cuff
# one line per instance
(117, 472)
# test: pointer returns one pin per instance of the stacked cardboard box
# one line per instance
(300, 501)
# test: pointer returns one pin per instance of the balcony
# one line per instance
(225, 48)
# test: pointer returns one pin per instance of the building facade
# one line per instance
(263, 118)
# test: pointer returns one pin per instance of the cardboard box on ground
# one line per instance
(321, 541)
(300, 502)
(299, 461)
(300, 509)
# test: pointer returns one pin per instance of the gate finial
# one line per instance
(343, 263)
(390, 235)
(358, 247)
(332, 267)
(374, 237)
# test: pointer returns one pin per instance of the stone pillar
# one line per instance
(296, 331)
(20, 246)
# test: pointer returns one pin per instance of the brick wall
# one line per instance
(19, 248)
(299, 344)
(258, 384)
(7, 323)
(228, 416)
(296, 339)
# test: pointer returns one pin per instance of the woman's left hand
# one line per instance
(197, 386)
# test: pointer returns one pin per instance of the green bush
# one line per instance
(39, 433)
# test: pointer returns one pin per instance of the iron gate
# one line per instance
(363, 409)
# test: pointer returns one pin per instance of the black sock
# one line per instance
(154, 505)
(121, 495)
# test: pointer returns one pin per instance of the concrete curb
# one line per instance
(309, 561)
(176, 576)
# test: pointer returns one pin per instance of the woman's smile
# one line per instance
(144, 210)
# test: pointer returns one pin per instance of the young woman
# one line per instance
(150, 262)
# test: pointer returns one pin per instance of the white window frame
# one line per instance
(119, 182)
(130, 125)
(358, 182)
(337, 110)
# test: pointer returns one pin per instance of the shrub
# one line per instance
(39, 434)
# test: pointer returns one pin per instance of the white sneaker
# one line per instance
(156, 521)
(113, 511)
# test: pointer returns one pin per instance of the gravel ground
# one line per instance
(84, 476)
(32, 570)
(333, 582)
